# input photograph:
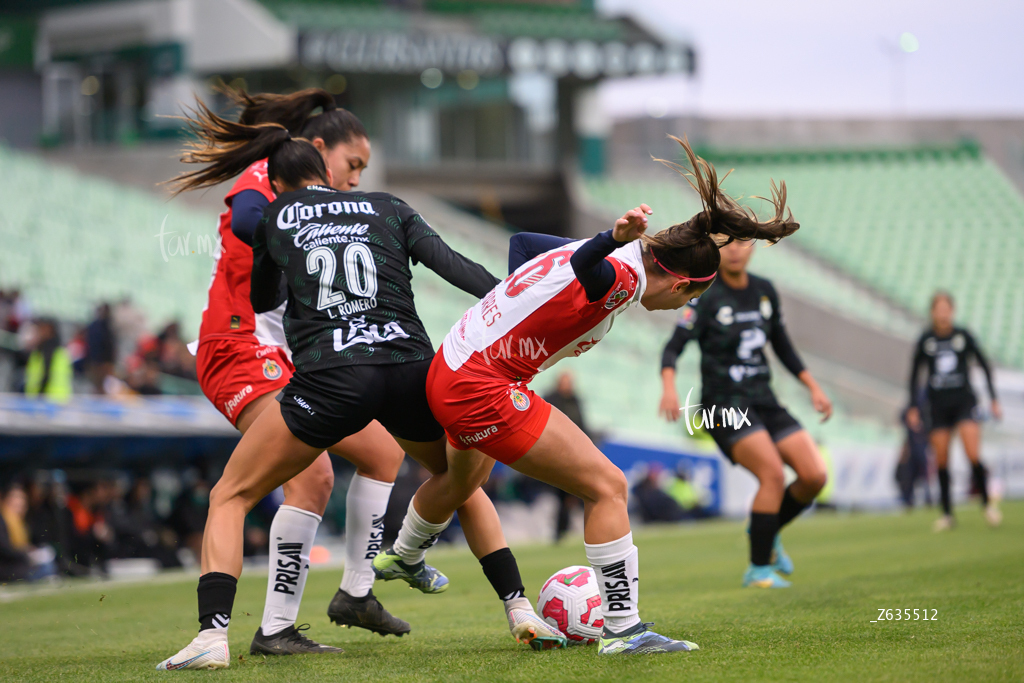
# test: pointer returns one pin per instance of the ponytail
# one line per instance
(227, 148)
(297, 112)
(692, 247)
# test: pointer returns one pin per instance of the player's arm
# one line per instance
(595, 273)
(427, 247)
(246, 212)
(786, 352)
(265, 291)
(914, 411)
(684, 332)
(524, 246)
(975, 350)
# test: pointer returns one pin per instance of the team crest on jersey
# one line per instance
(766, 307)
(520, 401)
(688, 317)
(725, 315)
(617, 296)
(959, 343)
(271, 370)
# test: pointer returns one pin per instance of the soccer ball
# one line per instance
(570, 602)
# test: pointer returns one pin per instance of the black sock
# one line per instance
(763, 528)
(791, 508)
(944, 490)
(980, 475)
(216, 598)
(501, 570)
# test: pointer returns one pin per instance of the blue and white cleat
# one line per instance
(208, 650)
(527, 627)
(780, 559)
(640, 640)
(763, 577)
(389, 566)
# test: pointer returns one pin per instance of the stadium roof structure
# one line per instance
(560, 39)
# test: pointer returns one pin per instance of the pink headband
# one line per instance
(683, 277)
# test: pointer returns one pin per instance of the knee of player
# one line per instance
(611, 485)
(225, 493)
(772, 476)
(816, 479)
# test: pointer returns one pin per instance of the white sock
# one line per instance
(416, 536)
(365, 505)
(618, 578)
(291, 538)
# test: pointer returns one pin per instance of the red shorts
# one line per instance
(233, 372)
(480, 410)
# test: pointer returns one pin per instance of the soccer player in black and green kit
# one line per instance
(342, 261)
(945, 351)
(733, 321)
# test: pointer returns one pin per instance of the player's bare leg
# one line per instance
(970, 433)
(940, 439)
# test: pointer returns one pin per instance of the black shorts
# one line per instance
(771, 417)
(947, 414)
(324, 406)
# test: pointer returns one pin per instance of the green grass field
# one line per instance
(847, 569)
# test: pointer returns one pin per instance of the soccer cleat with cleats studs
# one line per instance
(365, 612)
(780, 559)
(389, 566)
(763, 577)
(208, 650)
(640, 640)
(289, 641)
(527, 627)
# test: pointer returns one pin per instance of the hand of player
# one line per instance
(669, 407)
(997, 411)
(632, 225)
(914, 418)
(821, 403)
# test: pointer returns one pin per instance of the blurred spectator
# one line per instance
(19, 560)
(100, 349)
(90, 539)
(912, 467)
(175, 358)
(129, 325)
(687, 495)
(14, 310)
(138, 529)
(565, 399)
(654, 504)
(48, 372)
(188, 518)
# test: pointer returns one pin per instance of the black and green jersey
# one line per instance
(345, 261)
(732, 327)
(946, 360)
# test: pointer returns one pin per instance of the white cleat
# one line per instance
(208, 650)
(527, 627)
(992, 515)
(943, 523)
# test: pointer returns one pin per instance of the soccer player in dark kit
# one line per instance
(945, 351)
(733, 322)
(342, 262)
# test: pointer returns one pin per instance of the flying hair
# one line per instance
(692, 247)
(226, 148)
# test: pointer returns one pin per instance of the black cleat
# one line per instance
(289, 642)
(365, 612)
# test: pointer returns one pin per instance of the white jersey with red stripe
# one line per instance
(540, 314)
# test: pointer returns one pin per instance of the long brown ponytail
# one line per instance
(691, 248)
(297, 112)
(228, 147)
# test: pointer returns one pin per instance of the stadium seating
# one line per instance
(904, 223)
(73, 241)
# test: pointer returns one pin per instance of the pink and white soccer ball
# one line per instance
(571, 602)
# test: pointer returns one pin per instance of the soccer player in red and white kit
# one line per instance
(559, 305)
(243, 361)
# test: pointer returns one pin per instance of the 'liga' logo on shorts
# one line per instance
(520, 400)
(271, 370)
